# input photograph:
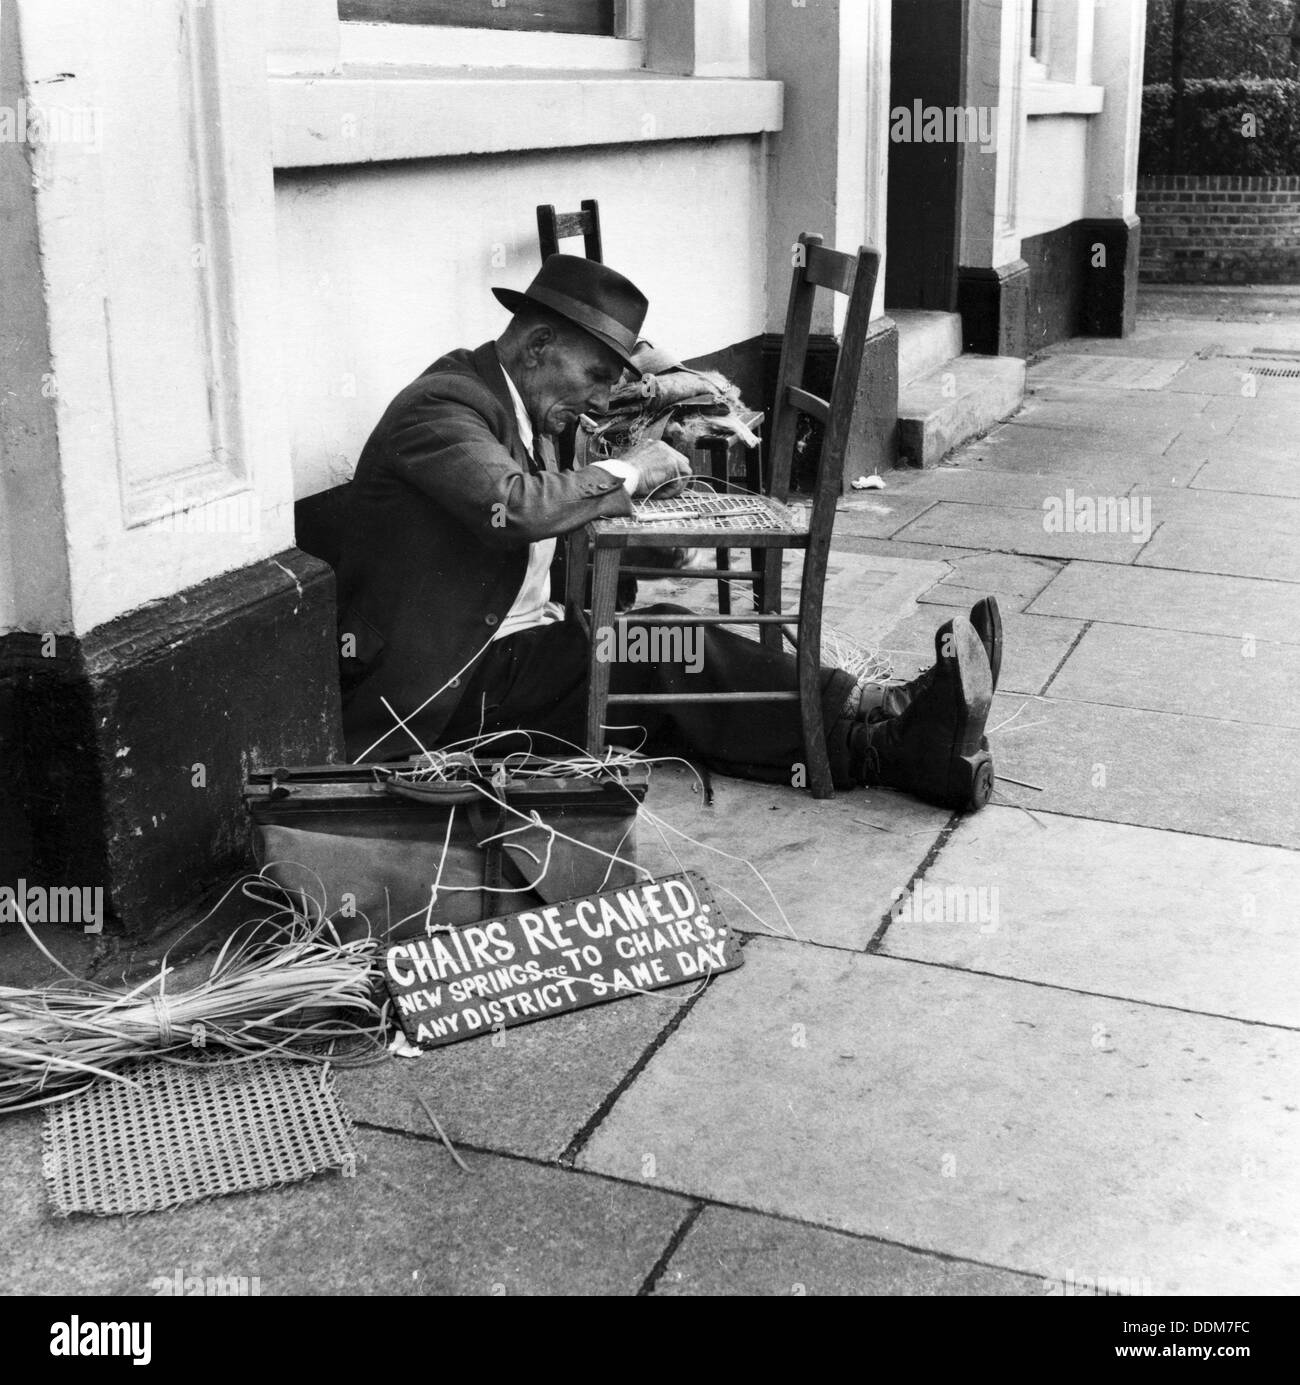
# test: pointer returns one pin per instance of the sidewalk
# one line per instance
(1094, 1078)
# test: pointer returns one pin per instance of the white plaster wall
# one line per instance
(382, 269)
(1054, 182)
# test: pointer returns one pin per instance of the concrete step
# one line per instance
(925, 341)
(962, 399)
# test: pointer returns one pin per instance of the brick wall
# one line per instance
(1219, 229)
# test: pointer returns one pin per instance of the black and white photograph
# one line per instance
(648, 648)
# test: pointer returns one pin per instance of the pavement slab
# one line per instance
(1013, 490)
(1014, 449)
(1012, 577)
(1273, 556)
(525, 1090)
(742, 1253)
(1033, 646)
(1159, 917)
(410, 1222)
(1112, 371)
(1016, 1125)
(1251, 470)
(1025, 531)
(878, 514)
(1119, 420)
(856, 846)
(1189, 774)
(1204, 508)
(1163, 599)
(1236, 680)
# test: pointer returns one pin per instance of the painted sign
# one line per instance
(459, 982)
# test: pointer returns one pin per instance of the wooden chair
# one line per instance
(552, 228)
(765, 525)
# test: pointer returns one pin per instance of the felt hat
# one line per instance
(591, 296)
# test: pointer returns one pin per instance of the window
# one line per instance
(1037, 33)
(554, 16)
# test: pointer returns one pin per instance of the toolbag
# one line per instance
(378, 849)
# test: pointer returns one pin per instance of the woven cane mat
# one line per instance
(191, 1131)
(721, 513)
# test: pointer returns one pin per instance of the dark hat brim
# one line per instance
(590, 320)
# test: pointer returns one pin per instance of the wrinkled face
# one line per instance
(565, 374)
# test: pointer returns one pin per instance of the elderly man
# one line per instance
(447, 627)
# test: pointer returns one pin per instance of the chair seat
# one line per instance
(696, 517)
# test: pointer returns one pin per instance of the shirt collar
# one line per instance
(521, 414)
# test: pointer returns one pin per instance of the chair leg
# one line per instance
(814, 731)
(575, 570)
(724, 586)
(767, 592)
(604, 594)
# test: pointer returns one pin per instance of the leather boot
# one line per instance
(879, 701)
(987, 620)
(933, 749)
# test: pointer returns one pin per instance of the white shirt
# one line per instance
(533, 605)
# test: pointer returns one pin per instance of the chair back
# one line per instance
(854, 275)
(553, 227)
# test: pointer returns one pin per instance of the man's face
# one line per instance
(565, 375)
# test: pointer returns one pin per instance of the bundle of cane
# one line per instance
(283, 984)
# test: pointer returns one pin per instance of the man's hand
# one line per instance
(662, 472)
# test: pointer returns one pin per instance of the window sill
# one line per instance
(441, 47)
(367, 114)
(1062, 98)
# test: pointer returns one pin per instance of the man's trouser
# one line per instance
(536, 681)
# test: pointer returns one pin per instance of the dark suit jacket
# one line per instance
(444, 505)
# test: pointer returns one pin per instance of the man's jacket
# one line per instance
(443, 507)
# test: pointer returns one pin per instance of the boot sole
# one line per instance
(986, 617)
(970, 778)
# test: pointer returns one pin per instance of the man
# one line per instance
(447, 629)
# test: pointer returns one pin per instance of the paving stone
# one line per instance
(743, 1253)
(409, 1223)
(1113, 371)
(1019, 531)
(1202, 548)
(1126, 420)
(1263, 423)
(1160, 917)
(1017, 490)
(895, 549)
(1210, 509)
(527, 1090)
(1012, 577)
(1016, 448)
(1191, 774)
(1250, 470)
(1017, 1125)
(1218, 375)
(1167, 600)
(865, 594)
(1127, 667)
(1033, 646)
(832, 864)
(878, 514)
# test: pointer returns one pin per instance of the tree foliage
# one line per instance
(1225, 39)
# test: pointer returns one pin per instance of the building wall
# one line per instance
(1219, 229)
(1054, 185)
(384, 267)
